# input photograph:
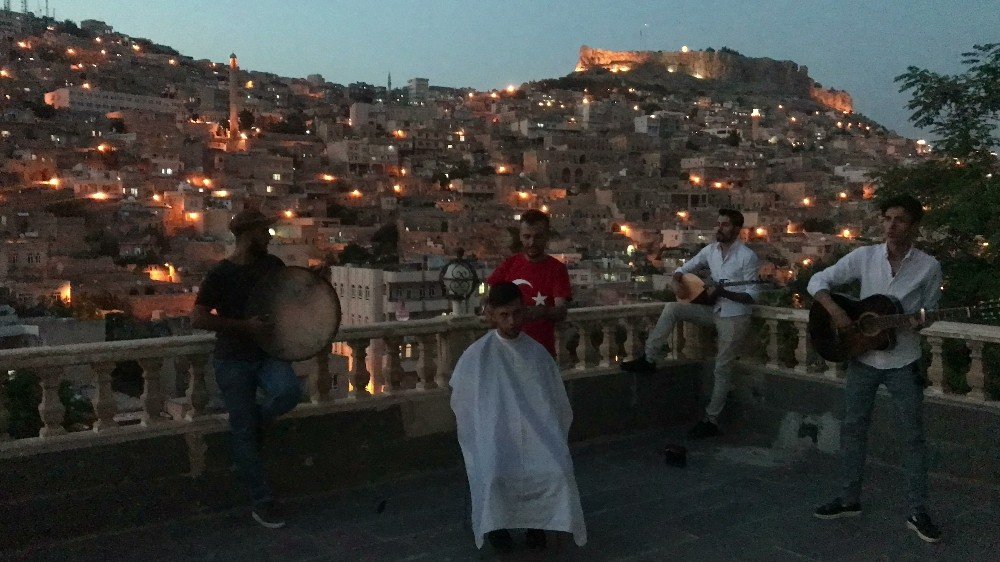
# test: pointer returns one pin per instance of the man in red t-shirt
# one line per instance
(543, 280)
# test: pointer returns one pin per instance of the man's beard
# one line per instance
(257, 249)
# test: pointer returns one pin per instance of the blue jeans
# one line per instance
(238, 382)
(906, 389)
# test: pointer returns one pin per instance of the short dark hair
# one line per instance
(735, 216)
(503, 294)
(905, 201)
(534, 216)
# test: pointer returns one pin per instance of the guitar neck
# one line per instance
(737, 283)
(899, 320)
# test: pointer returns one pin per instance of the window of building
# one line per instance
(276, 177)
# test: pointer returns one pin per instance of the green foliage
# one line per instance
(961, 192)
(354, 254)
(963, 109)
(24, 394)
(385, 245)
(246, 119)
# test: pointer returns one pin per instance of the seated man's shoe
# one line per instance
(837, 509)
(268, 515)
(500, 540)
(925, 529)
(534, 539)
(703, 429)
(639, 365)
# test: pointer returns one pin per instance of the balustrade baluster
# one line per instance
(694, 341)
(50, 409)
(976, 376)
(935, 371)
(772, 343)
(585, 352)
(104, 397)
(443, 360)
(320, 381)
(426, 367)
(562, 354)
(677, 340)
(152, 391)
(607, 350)
(197, 391)
(360, 377)
(395, 374)
(631, 339)
(801, 348)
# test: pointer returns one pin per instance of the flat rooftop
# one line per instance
(737, 499)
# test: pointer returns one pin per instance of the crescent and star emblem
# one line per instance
(539, 298)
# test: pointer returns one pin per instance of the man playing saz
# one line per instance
(513, 418)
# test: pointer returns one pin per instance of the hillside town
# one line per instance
(580, 282)
(124, 160)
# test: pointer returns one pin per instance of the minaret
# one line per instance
(755, 125)
(234, 95)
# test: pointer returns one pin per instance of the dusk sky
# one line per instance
(858, 46)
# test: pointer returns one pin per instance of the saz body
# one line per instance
(695, 288)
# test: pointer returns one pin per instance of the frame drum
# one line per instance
(304, 308)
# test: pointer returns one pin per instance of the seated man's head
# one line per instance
(504, 309)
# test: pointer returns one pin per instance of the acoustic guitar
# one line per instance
(874, 322)
(696, 289)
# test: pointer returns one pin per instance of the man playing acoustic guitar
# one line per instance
(899, 270)
(729, 260)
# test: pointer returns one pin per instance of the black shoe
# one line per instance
(639, 366)
(534, 539)
(837, 509)
(500, 540)
(924, 528)
(703, 429)
(269, 516)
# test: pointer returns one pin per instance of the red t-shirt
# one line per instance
(540, 283)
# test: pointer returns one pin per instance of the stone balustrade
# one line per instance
(591, 342)
(976, 337)
(803, 360)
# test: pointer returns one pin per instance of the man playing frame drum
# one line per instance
(241, 366)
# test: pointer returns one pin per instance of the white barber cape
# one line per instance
(513, 424)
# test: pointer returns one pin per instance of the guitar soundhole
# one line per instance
(868, 325)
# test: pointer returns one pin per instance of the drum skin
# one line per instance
(305, 310)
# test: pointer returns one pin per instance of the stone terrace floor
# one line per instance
(734, 501)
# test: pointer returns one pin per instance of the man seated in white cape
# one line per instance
(513, 420)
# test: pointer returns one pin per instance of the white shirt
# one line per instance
(917, 285)
(740, 264)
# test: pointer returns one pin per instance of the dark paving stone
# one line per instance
(734, 501)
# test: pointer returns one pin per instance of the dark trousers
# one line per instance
(238, 382)
(906, 389)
